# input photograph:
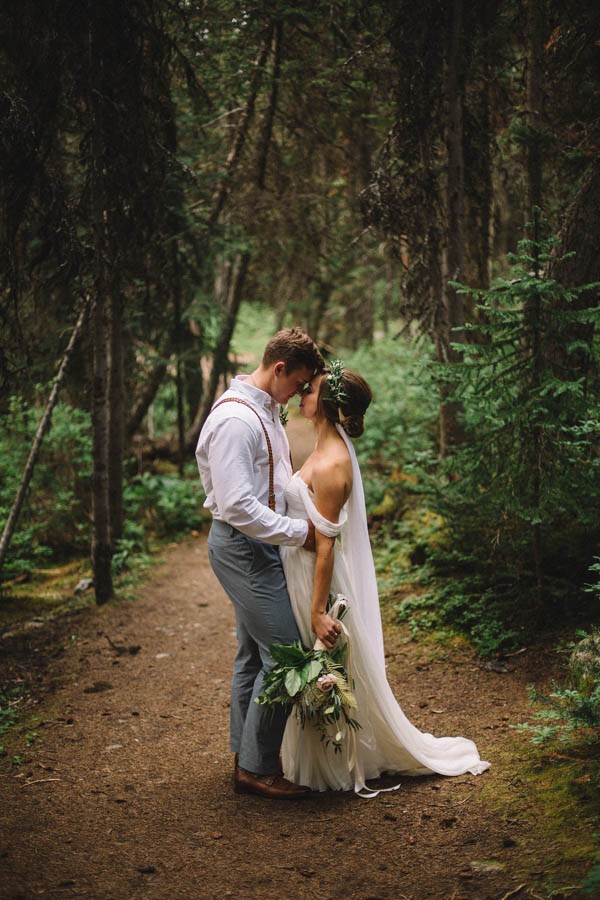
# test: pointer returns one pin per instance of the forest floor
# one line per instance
(125, 788)
(117, 782)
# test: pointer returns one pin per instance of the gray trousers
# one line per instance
(251, 573)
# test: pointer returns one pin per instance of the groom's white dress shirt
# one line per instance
(233, 461)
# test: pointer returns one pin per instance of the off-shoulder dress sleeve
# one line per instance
(323, 525)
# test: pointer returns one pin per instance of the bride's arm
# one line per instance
(329, 488)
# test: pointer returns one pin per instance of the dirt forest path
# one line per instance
(126, 790)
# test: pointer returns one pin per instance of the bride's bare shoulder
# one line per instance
(332, 471)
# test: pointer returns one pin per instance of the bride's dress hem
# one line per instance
(370, 788)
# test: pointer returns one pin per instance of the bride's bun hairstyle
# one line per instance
(344, 397)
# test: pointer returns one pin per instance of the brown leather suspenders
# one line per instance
(269, 447)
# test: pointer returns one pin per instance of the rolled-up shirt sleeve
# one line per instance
(231, 452)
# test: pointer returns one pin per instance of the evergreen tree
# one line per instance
(522, 506)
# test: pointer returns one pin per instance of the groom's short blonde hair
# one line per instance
(295, 348)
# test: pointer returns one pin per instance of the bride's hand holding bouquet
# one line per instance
(315, 683)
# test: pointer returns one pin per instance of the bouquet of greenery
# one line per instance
(316, 684)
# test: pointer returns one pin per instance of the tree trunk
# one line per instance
(479, 194)
(179, 383)
(101, 538)
(193, 378)
(267, 128)
(151, 384)
(451, 431)
(535, 99)
(101, 542)
(317, 313)
(533, 327)
(42, 430)
(386, 308)
(533, 308)
(116, 416)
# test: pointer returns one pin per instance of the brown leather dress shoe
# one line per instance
(274, 786)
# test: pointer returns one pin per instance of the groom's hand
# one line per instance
(309, 543)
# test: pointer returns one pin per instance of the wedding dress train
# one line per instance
(386, 741)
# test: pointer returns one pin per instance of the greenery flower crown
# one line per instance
(334, 382)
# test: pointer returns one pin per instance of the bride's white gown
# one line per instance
(386, 741)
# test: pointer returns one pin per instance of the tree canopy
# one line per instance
(353, 166)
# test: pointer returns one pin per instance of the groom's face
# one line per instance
(287, 384)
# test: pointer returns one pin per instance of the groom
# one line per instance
(243, 458)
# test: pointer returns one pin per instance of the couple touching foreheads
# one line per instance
(273, 547)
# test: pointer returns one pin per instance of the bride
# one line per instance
(328, 490)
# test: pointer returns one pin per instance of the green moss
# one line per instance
(45, 593)
(554, 794)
